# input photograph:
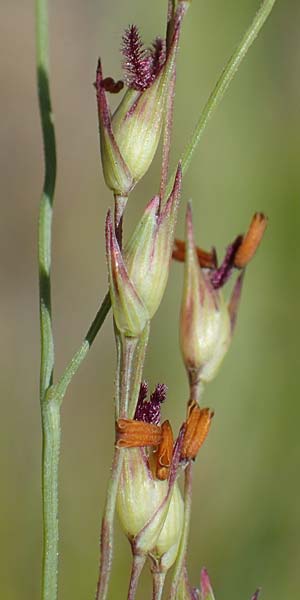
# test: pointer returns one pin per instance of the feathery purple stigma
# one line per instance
(158, 55)
(148, 411)
(222, 274)
(141, 65)
(143, 392)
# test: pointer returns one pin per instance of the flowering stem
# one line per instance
(180, 561)
(223, 84)
(138, 561)
(130, 361)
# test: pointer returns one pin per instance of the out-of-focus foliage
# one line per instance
(246, 519)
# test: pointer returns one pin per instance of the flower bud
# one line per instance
(205, 322)
(150, 510)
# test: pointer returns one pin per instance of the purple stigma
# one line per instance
(137, 62)
(141, 65)
(148, 411)
(221, 275)
(158, 55)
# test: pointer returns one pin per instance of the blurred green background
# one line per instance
(246, 516)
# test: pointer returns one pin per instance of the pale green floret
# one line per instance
(205, 328)
(205, 332)
(116, 174)
(148, 252)
(169, 538)
(155, 532)
(139, 495)
(137, 125)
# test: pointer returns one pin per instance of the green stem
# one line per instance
(222, 85)
(49, 410)
(50, 460)
(46, 202)
(181, 557)
(130, 361)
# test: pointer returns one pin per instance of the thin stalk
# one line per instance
(138, 561)
(180, 561)
(46, 201)
(107, 528)
(120, 205)
(128, 348)
(130, 360)
(138, 370)
(167, 131)
(196, 391)
(196, 388)
(158, 582)
(49, 410)
(222, 85)
(168, 122)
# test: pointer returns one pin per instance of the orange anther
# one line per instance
(179, 250)
(207, 260)
(197, 428)
(137, 434)
(251, 240)
(164, 452)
